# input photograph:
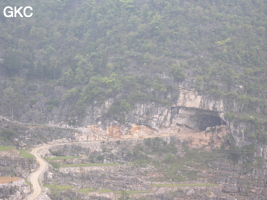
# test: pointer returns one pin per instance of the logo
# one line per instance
(18, 11)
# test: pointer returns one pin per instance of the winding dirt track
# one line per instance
(36, 177)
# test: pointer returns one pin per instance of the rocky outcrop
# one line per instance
(11, 164)
(16, 190)
(190, 114)
(191, 110)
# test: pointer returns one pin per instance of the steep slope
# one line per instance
(71, 57)
(135, 69)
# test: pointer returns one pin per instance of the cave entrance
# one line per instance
(196, 119)
(208, 120)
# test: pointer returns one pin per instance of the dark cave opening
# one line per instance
(196, 119)
(208, 120)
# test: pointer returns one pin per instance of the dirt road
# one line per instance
(36, 177)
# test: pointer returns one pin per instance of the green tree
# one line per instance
(177, 72)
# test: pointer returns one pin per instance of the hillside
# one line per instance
(137, 69)
(133, 51)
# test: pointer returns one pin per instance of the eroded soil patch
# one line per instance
(8, 179)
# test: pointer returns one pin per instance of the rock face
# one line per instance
(151, 114)
(16, 190)
(191, 110)
(11, 164)
(191, 99)
(192, 113)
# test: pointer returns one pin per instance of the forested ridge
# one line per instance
(137, 51)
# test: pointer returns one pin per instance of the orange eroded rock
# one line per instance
(141, 131)
(114, 131)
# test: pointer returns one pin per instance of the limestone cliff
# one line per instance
(190, 114)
